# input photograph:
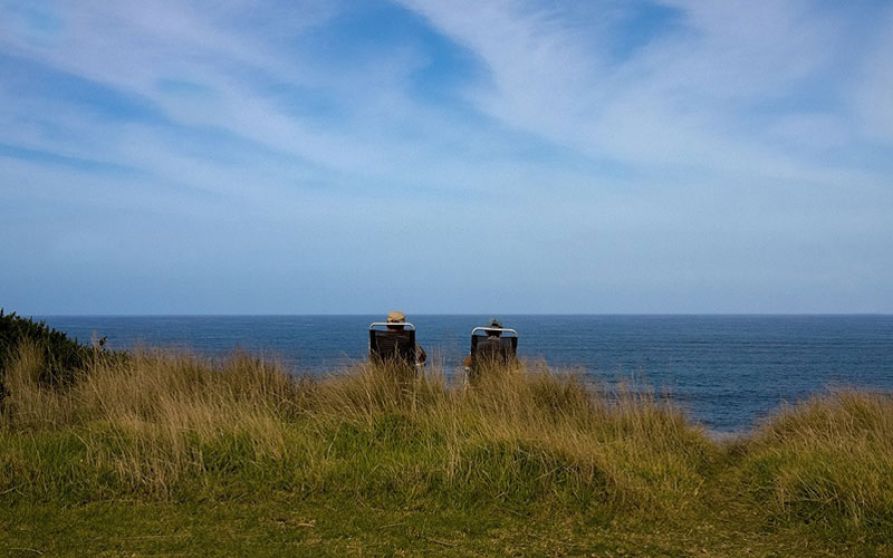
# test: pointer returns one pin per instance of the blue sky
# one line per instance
(446, 156)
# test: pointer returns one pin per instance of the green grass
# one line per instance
(173, 454)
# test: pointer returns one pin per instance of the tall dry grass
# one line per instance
(177, 425)
(826, 459)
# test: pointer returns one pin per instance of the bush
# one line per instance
(62, 356)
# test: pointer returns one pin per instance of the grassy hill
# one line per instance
(161, 453)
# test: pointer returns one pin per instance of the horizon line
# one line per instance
(476, 314)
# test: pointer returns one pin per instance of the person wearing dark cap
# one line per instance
(490, 348)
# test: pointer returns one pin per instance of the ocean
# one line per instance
(727, 372)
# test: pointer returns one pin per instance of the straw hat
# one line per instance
(396, 317)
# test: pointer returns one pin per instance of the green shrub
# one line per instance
(62, 356)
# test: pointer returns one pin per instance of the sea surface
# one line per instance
(728, 372)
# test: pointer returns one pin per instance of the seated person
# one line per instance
(394, 341)
(490, 349)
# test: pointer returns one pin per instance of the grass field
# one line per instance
(162, 453)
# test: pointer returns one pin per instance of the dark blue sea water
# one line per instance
(727, 371)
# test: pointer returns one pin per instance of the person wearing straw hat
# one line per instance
(395, 321)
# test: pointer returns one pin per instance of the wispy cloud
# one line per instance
(722, 87)
(873, 99)
(701, 142)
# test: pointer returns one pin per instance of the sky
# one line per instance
(446, 156)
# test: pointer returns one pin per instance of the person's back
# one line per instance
(490, 350)
(396, 343)
(393, 345)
